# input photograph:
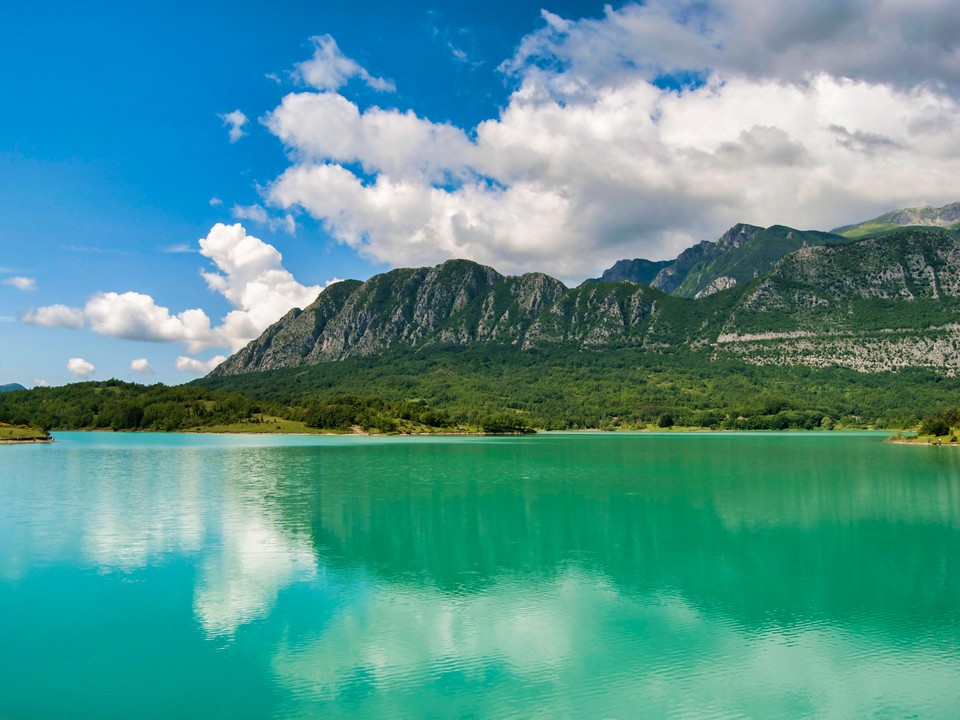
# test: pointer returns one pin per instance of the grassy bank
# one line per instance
(22, 434)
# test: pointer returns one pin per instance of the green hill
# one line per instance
(947, 216)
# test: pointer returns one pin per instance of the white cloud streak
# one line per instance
(21, 283)
(178, 248)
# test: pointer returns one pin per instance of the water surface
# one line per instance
(562, 575)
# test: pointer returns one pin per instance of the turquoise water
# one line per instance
(590, 575)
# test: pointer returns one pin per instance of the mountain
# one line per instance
(873, 304)
(877, 304)
(926, 216)
(638, 271)
(11, 387)
(740, 255)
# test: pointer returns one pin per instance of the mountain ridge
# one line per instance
(922, 216)
(851, 297)
(742, 253)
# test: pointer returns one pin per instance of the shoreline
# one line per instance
(922, 443)
(468, 433)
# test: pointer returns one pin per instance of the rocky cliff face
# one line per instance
(879, 303)
(740, 255)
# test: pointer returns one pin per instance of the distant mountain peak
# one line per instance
(741, 254)
(11, 387)
(638, 271)
(738, 235)
(924, 216)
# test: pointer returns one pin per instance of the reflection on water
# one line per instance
(555, 576)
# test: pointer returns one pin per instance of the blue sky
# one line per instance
(526, 135)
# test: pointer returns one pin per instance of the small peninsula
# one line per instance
(21, 434)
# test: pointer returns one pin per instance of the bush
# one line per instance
(935, 426)
(665, 421)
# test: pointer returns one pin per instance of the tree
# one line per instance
(935, 426)
(665, 421)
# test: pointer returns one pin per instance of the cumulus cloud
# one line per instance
(252, 277)
(330, 69)
(234, 121)
(80, 368)
(198, 367)
(55, 316)
(896, 42)
(141, 366)
(21, 283)
(135, 316)
(642, 132)
(327, 126)
(40, 382)
(249, 274)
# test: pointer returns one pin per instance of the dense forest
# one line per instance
(500, 389)
(564, 388)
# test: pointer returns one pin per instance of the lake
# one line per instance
(714, 575)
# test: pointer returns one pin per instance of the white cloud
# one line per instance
(178, 248)
(198, 367)
(250, 212)
(896, 42)
(55, 316)
(215, 202)
(327, 126)
(135, 316)
(250, 275)
(330, 69)
(22, 283)
(141, 366)
(234, 121)
(596, 156)
(80, 368)
(257, 214)
(253, 279)
(40, 382)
